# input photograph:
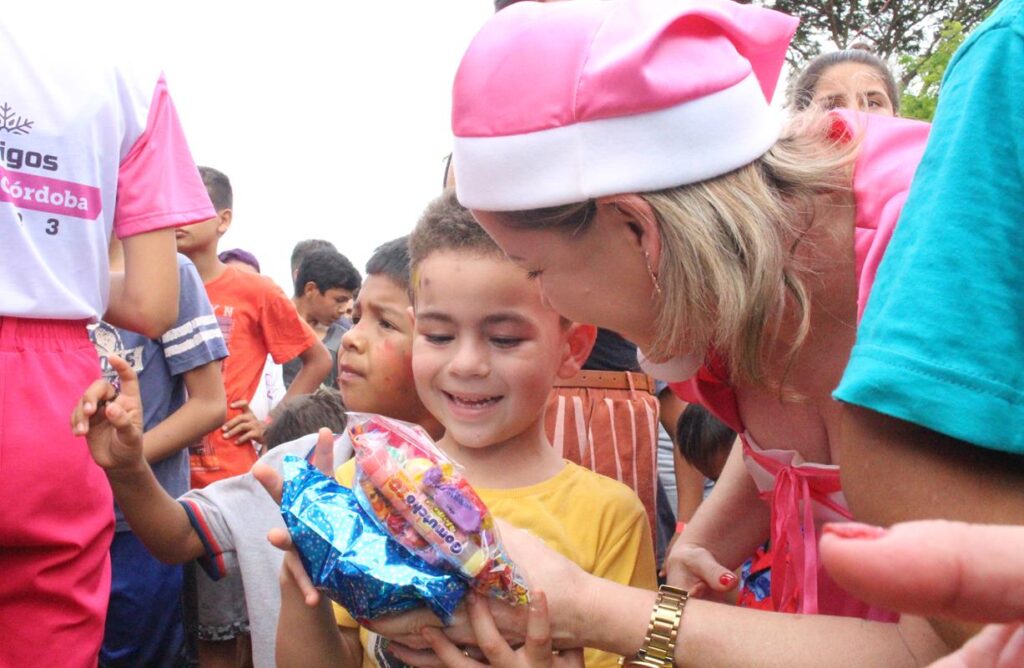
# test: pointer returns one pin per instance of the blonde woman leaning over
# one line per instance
(658, 197)
(624, 154)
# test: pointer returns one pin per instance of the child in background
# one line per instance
(375, 364)
(304, 248)
(256, 318)
(704, 440)
(486, 352)
(851, 78)
(240, 258)
(324, 288)
(183, 398)
(225, 524)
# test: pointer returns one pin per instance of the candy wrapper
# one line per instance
(351, 558)
(422, 499)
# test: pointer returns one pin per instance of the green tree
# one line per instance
(918, 36)
(892, 28)
(919, 99)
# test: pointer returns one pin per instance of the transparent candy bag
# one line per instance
(422, 498)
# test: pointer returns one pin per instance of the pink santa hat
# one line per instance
(561, 102)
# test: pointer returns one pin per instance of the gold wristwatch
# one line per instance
(659, 648)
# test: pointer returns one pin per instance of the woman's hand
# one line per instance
(111, 420)
(545, 570)
(693, 568)
(727, 528)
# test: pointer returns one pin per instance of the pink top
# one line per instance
(804, 495)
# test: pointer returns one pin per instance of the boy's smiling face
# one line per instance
(486, 349)
(374, 368)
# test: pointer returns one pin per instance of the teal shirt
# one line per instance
(941, 343)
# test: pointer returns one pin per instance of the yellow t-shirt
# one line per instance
(597, 522)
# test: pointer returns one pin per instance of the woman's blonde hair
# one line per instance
(728, 264)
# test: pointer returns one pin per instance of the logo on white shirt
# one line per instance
(13, 123)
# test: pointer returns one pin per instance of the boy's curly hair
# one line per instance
(447, 225)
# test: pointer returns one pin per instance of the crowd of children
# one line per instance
(477, 326)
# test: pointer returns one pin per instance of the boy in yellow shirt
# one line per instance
(485, 353)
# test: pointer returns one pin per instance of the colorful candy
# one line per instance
(351, 558)
(425, 502)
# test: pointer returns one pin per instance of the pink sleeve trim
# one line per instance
(158, 184)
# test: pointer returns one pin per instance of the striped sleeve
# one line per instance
(213, 562)
(195, 339)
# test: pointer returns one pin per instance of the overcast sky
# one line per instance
(331, 119)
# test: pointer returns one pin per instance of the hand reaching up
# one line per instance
(293, 573)
(323, 460)
(111, 419)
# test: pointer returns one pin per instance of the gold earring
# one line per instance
(654, 277)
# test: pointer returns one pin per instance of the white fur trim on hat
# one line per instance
(690, 142)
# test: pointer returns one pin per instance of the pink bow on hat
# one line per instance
(562, 102)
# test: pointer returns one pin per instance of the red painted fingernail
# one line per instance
(727, 579)
(854, 530)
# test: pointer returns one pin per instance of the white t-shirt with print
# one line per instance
(87, 147)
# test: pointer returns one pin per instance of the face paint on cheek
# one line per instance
(397, 357)
(391, 356)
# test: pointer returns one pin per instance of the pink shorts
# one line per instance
(56, 509)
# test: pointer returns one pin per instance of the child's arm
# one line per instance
(144, 298)
(202, 413)
(288, 337)
(689, 481)
(316, 364)
(112, 425)
(689, 486)
(727, 528)
(307, 635)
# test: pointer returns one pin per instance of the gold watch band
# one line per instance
(659, 645)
